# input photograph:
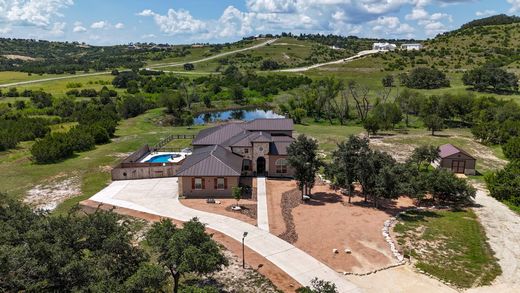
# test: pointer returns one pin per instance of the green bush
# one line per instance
(512, 148)
(52, 148)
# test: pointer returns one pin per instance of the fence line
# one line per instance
(171, 137)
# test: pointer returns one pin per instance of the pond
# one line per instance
(244, 115)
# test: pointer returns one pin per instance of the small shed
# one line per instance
(456, 159)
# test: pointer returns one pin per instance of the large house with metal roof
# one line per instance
(223, 156)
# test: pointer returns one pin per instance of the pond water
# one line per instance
(244, 115)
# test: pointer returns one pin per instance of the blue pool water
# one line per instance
(162, 158)
(244, 115)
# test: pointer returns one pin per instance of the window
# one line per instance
(246, 151)
(247, 165)
(198, 183)
(221, 183)
(281, 166)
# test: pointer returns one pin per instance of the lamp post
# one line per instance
(243, 251)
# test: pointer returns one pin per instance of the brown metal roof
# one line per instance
(211, 161)
(267, 124)
(218, 134)
(280, 144)
(447, 150)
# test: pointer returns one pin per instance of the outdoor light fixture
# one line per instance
(243, 251)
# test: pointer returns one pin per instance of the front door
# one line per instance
(260, 166)
(458, 166)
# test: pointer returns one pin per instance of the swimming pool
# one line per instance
(167, 158)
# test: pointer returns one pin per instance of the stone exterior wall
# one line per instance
(261, 149)
(242, 151)
(209, 189)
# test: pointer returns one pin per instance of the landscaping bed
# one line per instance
(449, 245)
(328, 222)
(246, 214)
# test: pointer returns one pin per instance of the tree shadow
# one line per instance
(322, 198)
(418, 215)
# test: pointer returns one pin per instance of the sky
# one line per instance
(108, 22)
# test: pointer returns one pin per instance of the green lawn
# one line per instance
(449, 245)
(20, 174)
(59, 87)
(327, 135)
(15, 76)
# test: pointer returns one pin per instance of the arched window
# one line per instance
(281, 166)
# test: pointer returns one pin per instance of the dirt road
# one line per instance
(503, 231)
(344, 60)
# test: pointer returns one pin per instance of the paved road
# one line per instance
(151, 66)
(503, 231)
(159, 197)
(358, 55)
(261, 200)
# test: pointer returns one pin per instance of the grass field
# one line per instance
(203, 52)
(15, 76)
(369, 71)
(449, 245)
(91, 169)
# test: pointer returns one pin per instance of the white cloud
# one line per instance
(58, 28)
(119, 25)
(390, 25)
(99, 24)
(485, 13)
(79, 29)
(31, 12)
(176, 22)
(148, 36)
(270, 6)
(515, 6)
(5, 30)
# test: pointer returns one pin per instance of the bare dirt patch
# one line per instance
(224, 208)
(234, 278)
(48, 195)
(19, 57)
(328, 222)
(401, 146)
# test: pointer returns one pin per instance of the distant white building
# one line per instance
(410, 47)
(383, 47)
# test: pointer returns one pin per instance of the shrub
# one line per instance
(52, 148)
(512, 148)
(504, 185)
(81, 139)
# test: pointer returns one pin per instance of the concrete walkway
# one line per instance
(159, 196)
(261, 204)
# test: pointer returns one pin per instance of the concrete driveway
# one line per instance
(160, 197)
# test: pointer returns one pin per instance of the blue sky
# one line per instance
(107, 22)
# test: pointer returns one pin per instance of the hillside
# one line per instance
(37, 56)
(457, 50)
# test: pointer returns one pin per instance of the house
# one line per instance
(383, 47)
(455, 159)
(411, 47)
(225, 155)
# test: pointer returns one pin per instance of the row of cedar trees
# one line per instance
(379, 175)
